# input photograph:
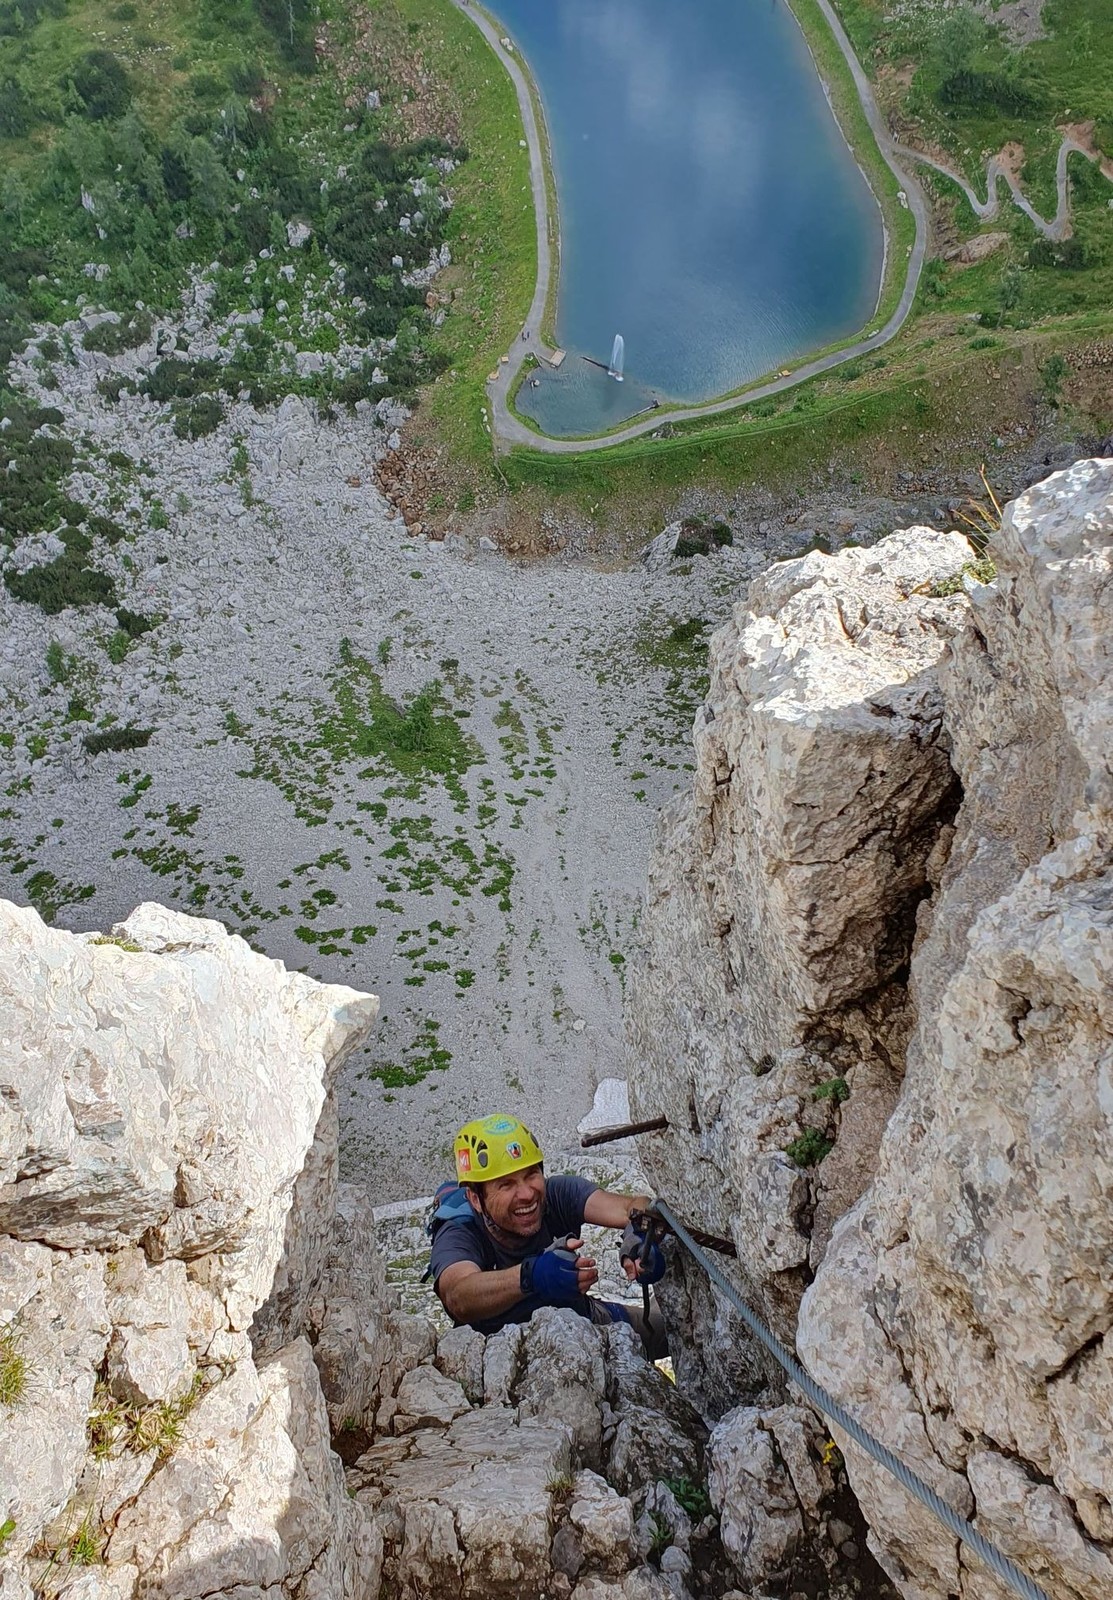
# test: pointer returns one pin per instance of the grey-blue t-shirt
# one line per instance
(471, 1240)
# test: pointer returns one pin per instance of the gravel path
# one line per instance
(508, 429)
(491, 905)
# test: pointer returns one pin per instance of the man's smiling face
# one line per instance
(514, 1204)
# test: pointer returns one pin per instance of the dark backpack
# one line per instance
(450, 1204)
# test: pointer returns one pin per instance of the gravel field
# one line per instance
(487, 889)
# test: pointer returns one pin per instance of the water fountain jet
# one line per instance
(618, 357)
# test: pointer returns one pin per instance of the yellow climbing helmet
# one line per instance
(493, 1147)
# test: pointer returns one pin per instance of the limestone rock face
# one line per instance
(251, 1496)
(604, 1521)
(658, 1433)
(781, 908)
(56, 1305)
(137, 1126)
(361, 1343)
(886, 916)
(168, 1181)
(977, 1267)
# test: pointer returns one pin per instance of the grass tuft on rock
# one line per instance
(13, 1368)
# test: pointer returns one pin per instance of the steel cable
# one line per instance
(994, 1559)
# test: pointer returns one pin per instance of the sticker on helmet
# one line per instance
(483, 1157)
(499, 1125)
(463, 1160)
(514, 1150)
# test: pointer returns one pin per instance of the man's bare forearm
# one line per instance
(477, 1295)
(608, 1210)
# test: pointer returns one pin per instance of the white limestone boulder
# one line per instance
(149, 1355)
(460, 1353)
(170, 1091)
(604, 1521)
(252, 1497)
(565, 1380)
(766, 1478)
(781, 911)
(427, 1399)
(467, 1511)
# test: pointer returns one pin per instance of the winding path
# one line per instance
(997, 167)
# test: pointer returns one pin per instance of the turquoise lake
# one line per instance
(710, 209)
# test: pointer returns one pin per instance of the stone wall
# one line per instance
(886, 914)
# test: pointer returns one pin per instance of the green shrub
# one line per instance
(59, 665)
(103, 85)
(1052, 373)
(112, 386)
(835, 1089)
(18, 110)
(117, 739)
(134, 623)
(193, 419)
(66, 581)
(810, 1148)
(699, 538)
(992, 90)
(112, 338)
(177, 379)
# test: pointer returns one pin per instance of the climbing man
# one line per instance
(507, 1239)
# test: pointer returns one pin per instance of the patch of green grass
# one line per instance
(114, 1428)
(982, 571)
(13, 1367)
(59, 665)
(425, 1055)
(419, 740)
(48, 893)
(85, 1545)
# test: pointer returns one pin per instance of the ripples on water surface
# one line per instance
(710, 209)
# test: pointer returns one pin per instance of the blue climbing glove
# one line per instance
(553, 1275)
(631, 1248)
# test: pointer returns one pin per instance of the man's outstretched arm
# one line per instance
(608, 1210)
(470, 1294)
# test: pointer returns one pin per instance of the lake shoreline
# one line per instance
(509, 427)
